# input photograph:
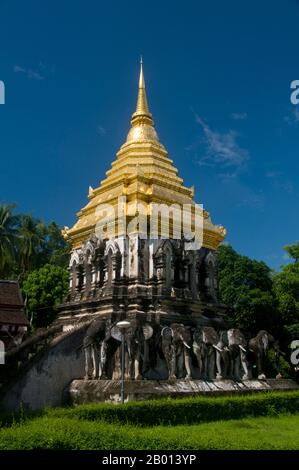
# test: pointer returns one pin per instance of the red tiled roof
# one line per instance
(13, 317)
(11, 304)
(10, 294)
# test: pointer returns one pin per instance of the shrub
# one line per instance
(171, 411)
(186, 410)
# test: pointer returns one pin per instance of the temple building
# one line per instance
(145, 252)
(119, 268)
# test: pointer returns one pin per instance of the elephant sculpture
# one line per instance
(176, 347)
(95, 349)
(259, 346)
(223, 357)
(205, 344)
(136, 349)
(228, 351)
(237, 347)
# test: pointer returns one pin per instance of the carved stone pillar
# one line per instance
(211, 276)
(100, 272)
(83, 277)
(140, 254)
(94, 274)
(184, 271)
(78, 275)
(192, 279)
(168, 262)
(116, 266)
(70, 271)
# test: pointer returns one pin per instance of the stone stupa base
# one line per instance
(94, 391)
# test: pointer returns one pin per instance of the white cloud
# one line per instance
(273, 174)
(293, 117)
(286, 186)
(239, 116)
(278, 181)
(227, 176)
(18, 69)
(38, 73)
(101, 131)
(254, 200)
(222, 148)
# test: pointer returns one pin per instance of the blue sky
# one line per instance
(218, 80)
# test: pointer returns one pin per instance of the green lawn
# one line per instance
(69, 433)
(257, 421)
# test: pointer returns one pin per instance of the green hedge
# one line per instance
(188, 410)
(175, 411)
(73, 434)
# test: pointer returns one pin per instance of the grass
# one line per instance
(261, 421)
(69, 434)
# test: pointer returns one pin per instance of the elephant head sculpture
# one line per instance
(176, 346)
(259, 346)
(205, 344)
(237, 346)
(136, 349)
(223, 356)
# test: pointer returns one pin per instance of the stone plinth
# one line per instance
(94, 391)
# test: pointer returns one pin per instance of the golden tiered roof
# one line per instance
(143, 173)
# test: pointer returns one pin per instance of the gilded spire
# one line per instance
(142, 106)
(142, 122)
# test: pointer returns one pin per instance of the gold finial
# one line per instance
(142, 106)
(141, 78)
(142, 122)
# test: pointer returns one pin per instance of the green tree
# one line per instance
(286, 288)
(293, 251)
(57, 250)
(31, 243)
(43, 289)
(8, 237)
(246, 286)
(26, 244)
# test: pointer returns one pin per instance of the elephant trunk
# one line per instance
(217, 347)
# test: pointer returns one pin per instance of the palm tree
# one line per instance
(8, 237)
(31, 235)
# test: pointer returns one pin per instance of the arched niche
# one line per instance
(75, 272)
(164, 263)
(112, 258)
(211, 275)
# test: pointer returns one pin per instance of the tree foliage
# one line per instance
(293, 251)
(245, 285)
(8, 238)
(286, 289)
(37, 255)
(259, 298)
(44, 288)
(27, 243)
